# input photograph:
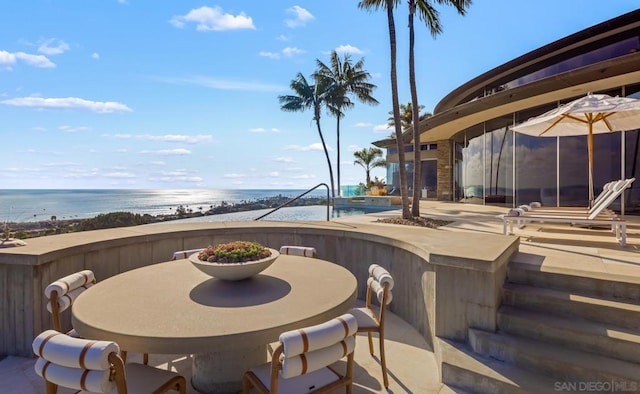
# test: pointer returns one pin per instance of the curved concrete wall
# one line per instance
(445, 281)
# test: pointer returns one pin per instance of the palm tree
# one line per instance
(344, 79)
(308, 97)
(429, 14)
(369, 158)
(406, 115)
(388, 5)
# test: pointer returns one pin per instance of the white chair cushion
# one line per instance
(315, 337)
(381, 275)
(379, 291)
(298, 251)
(71, 352)
(74, 378)
(66, 300)
(183, 254)
(364, 317)
(70, 282)
(317, 359)
(298, 385)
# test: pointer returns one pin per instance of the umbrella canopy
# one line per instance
(589, 115)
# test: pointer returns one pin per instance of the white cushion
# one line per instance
(381, 275)
(70, 282)
(317, 359)
(298, 385)
(71, 352)
(74, 378)
(321, 335)
(183, 254)
(298, 251)
(66, 300)
(364, 316)
(379, 291)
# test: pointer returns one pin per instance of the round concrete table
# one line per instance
(173, 308)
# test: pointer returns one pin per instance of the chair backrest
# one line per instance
(618, 189)
(305, 251)
(183, 254)
(379, 283)
(64, 291)
(77, 363)
(309, 349)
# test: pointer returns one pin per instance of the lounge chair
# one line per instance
(603, 198)
(597, 216)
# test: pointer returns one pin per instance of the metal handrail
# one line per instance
(297, 198)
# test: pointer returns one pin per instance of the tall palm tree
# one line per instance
(429, 14)
(344, 79)
(369, 158)
(308, 97)
(389, 5)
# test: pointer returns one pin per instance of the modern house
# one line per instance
(470, 154)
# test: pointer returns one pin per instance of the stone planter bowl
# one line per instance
(234, 271)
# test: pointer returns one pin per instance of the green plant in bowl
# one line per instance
(234, 252)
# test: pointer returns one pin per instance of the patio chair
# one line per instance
(304, 251)
(592, 217)
(604, 197)
(63, 292)
(183, 254)
(301, 361)
(379, 283)
(96, 367)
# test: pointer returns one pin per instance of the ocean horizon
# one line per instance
(25, 205)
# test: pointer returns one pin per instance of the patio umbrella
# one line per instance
(589, 115)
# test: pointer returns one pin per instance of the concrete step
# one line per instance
(621, 313)
(464, 371)
(594, 337)
(602, 285)
(564, 364)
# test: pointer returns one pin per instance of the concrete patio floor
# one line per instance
(554, 247)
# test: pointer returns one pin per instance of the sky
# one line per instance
(142, 94)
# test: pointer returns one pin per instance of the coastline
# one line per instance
(31, 229)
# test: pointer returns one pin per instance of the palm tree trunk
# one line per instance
(417, 163)
(406, 214)
(338, 153)
(326, 152)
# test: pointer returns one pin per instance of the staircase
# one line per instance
(557, 332)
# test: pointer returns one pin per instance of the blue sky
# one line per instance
(184, 94)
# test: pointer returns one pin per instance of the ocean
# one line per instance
(37, 205)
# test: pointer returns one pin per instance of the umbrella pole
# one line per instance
(590, 153)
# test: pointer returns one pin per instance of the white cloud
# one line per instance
(95, 55)
(316, 146)
(363, 124)
(383, 128)
(120, 174)
(178, 152)
(263, 130)
(349, 49)
(353, 148)
(291, 51)
(300, 17)
(157, 162)
(71, 129)
(223, 84)
(213, 19)
(48, 49)
(282, 37)
(40, 129)
(68, 103)
(8, 59)
(303, 176)
(270, 55)
(189, 139)
(234, 175)
(283, 159)
(274, 174)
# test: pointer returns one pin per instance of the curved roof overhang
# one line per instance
(576, 43)
(609, 74)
